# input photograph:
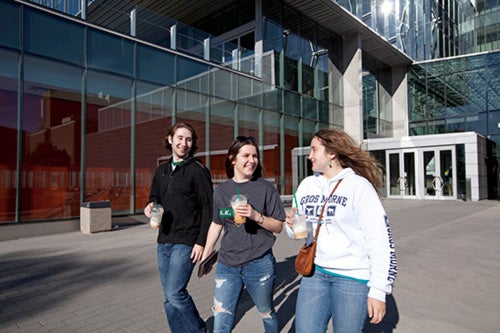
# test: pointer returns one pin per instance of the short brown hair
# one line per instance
(172, 131)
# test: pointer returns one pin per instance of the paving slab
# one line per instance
(448, 253)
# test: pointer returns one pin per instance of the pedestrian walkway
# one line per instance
(448, 253)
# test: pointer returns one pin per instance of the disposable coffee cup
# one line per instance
(156, 214)
(236, 200)
(299, 226)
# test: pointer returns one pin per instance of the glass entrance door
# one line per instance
(401, 173)
(440, 179)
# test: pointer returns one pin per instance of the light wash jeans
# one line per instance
(324, 296)
(258, 278)
(175, 267)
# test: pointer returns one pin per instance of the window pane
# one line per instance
(192, 75)
(309, 108)
(51, 36)
(292, 103)
(153, 118)
(248, 121)
(9, 25)
(291, 141)
(271, 137)
(249, 91)
(8, 133)
(51, 155)
(108, 140)
(221, 135)
(154, 65)
(224, 84)
(309, 128)
(110, 53)
(192, 109)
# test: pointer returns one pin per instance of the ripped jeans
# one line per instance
(258, 278)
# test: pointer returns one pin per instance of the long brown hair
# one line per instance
(350, 155)
(172, 131)
(234, 149)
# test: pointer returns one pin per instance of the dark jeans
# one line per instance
(175, 267)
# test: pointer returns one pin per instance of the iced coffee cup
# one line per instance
(156, 214)
(237, 200)
(299, 226)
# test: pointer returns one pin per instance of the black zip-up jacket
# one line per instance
(186, 196)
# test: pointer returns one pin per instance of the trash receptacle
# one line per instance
(95, 216)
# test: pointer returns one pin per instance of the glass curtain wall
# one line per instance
(51, 139)
(487, 25)
(302, 57)
(154, 111)
(458, 95)
(10, 46)
(86, 112)
(50, 117)
(423, 29)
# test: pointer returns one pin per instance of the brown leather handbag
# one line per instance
(304, 262)
(305, 259)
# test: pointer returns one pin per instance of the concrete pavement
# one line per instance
(449, 265)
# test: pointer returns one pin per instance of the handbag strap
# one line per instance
(323, 210)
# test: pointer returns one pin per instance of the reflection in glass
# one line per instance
(8, 136)
(446, 172)
(271, 138)
(51, 123)
(192, 108)
(429, 173)
(153, 118)
(108, 141)
(409, 173)
(394, 178)
(110, 53)
(64, 42)
(291, 141)
(222, 132)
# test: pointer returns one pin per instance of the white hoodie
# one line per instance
(355, 239)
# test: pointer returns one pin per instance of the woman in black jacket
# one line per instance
(183, 187)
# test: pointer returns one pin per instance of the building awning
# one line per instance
(337, 19)
(325, 12)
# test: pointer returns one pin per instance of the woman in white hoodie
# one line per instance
(355, 264)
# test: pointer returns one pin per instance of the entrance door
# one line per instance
(401, 173)
(440, 181)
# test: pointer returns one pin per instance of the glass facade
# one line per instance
(423, 29)
(487, 25)
(85, 110)
(459, 95)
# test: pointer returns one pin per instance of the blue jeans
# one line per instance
(324, 296)
(175, 267)
(258, 278)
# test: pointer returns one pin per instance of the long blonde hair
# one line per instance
(350, 155)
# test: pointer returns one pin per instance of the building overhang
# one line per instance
(325, 12)
(337, 19)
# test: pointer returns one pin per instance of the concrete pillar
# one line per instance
(353, 86)
(400, 102)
